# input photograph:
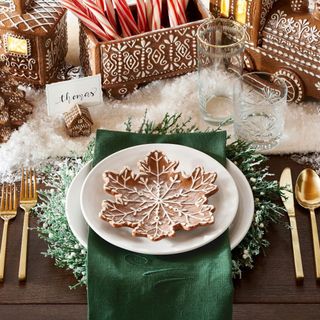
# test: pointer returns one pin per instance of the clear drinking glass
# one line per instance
(220, 58)
(259, 102)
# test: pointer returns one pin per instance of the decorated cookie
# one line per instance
(14, 107)
(17, 116)
(5, 133)
(158, 200)
(26, 106)
(9, 90)
(4, 115)
(2, 103)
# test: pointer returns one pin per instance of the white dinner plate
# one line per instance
(225, 200)
(237, 230)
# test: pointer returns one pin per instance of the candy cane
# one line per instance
(142, 15)
(126, 14)
(111, 14)
(79, 4)
(124, 27)
(149, 13)
(105, 24)
(100, 4)
(77, 11)
(173, 15)
(185, 4)
(181, 11)
(156, 17)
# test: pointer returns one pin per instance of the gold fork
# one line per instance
(28, 199)
(8, 211)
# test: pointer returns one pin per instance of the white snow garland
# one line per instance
(45, 137)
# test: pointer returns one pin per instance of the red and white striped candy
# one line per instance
(176, 13)
(173, 15)
(125, 13)
(142, 16)
(181, 11)
(157, 12)
(104, 22)
(79, 4)
(126, 32)
(100, 4)
(85, 19)
(185, 4)
(111, 14)
(107, 7)
(149, 13)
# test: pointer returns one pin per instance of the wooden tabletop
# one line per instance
(269, 291)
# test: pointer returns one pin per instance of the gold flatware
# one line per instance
(28, 199)
(8, 211)
(288, 201)
(308, 196)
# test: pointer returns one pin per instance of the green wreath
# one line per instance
(68, 253)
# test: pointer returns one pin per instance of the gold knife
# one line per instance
(288, 201)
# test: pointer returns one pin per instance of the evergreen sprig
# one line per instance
(68, 253)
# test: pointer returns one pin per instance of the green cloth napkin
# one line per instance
(123, 285)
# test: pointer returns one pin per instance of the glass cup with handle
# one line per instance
(259, 102)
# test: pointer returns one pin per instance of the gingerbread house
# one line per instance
(78, 121)
(33, 39)
(284, 39)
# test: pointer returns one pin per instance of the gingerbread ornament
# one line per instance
(78, 121)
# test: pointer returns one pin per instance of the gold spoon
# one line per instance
(307, 192)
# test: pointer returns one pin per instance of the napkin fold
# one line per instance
(123, 285)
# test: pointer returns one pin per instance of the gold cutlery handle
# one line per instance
(316, 246)
(3, 249)
(296, 249)
(24, 247)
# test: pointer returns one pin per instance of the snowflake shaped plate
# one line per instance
(225, 201)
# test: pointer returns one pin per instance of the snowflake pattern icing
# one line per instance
(159, 200)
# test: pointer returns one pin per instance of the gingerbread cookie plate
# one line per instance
(225, 201)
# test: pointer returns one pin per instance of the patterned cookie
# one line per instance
(2, 103)
(26, 106)
(17, 116)
(18, 102)
(13, 105)
(5, 133)
(158, 200)
(4, 115)
(11, 93)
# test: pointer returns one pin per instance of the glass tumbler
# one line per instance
(220, 58)
(259, 102)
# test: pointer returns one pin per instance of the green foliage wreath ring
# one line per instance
(68, 253)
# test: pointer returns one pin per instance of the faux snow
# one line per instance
(44, 137)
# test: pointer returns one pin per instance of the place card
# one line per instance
(61, 96)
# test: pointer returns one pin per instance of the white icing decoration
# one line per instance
(158, 199)
(43, 14)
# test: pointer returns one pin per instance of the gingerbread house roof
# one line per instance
(77, 112)
(39, 19)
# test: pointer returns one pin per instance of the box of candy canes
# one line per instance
(131, 45)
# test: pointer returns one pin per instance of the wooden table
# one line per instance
(268, 292)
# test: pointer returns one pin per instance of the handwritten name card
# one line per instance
(61, 96)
